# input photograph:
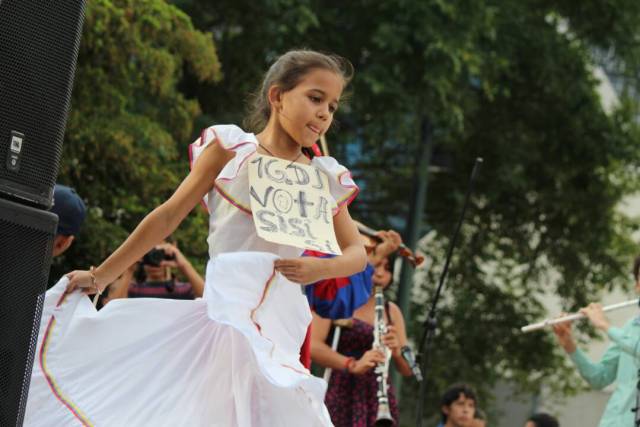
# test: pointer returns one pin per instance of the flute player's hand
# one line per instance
(596, 316)
(565, 336)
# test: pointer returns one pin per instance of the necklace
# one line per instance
(273, 155)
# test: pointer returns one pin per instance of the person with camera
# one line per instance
(153, 276)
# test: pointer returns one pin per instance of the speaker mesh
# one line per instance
(26, 237)
(39, 42)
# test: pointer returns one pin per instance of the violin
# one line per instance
(403, 250)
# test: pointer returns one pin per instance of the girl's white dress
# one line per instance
(228, 359)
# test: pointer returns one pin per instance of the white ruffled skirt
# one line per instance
(230, 359)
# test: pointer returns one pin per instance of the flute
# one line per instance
(575, 316)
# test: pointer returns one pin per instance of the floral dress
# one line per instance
(352, 399)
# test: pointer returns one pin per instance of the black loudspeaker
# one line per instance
(39, 41)
(26, 241)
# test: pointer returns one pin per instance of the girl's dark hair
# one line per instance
(391, 259)
(286, 72)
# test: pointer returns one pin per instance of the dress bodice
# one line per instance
(231, 226)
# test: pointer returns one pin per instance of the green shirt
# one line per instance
(620, 363)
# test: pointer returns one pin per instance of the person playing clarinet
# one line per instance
(619, 364)
(352, 394)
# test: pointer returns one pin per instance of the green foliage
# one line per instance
(125, 149)
(507, 80)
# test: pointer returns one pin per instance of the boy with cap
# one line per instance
(71, 212)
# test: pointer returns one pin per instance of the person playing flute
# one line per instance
(620, 363)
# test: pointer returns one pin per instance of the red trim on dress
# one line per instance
(265, 290)
(47, 375)
(228, 198)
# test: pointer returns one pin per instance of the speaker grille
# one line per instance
(39, 41)
(26, 237)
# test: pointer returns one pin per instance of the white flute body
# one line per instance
(576, 316)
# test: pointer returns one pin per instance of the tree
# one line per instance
(509, 80)
(130, 123)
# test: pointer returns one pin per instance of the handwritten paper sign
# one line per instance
(291, 204)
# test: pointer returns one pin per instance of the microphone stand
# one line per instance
(430, 323)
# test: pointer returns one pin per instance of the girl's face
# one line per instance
(382, 274)
(306, 111)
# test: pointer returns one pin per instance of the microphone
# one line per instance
(407, 355)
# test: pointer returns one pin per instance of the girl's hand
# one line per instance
(564, 336)
(83, 280)
(303, 270)
(391, 241)
(595, 314)
(368, 361)
(391, 339)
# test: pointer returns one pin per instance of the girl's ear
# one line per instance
(275, 97)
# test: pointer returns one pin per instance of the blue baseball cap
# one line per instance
(70, 209)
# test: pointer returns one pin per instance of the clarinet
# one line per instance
(383, 417)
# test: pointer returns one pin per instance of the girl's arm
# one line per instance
(307, 270)
(324, 355)
(396, 339)
(390, 242)
(120, 288)
(160, 222)
(321, 353)
(354, 257)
